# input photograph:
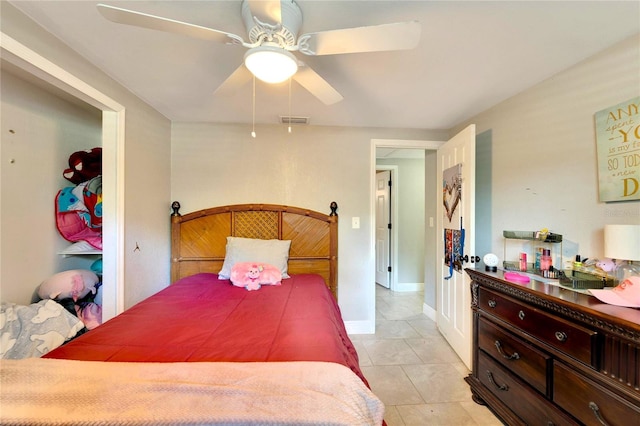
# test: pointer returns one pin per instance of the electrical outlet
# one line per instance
(355, 222)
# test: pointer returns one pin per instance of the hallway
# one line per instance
(412, 369)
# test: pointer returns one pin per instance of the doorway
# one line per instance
(400, 218)
(32, 64)
(380, 148)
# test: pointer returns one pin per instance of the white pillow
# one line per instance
(273, 252)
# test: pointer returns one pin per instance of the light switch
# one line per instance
(355, 222)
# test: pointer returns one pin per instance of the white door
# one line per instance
(456, 213)
(383, 240)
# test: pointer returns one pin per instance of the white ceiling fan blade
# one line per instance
(139, 19)
(269, 11)
(235, 81)
(375, 38)
(317, 85)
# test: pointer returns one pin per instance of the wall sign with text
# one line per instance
(618, 142)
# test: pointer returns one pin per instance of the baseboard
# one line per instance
(360, 327)
(408, 287)
(429, 311)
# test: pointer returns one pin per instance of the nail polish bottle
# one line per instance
(578, 263)
(545, 260)
(523, 262)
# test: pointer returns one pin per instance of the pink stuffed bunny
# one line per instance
(252, 275)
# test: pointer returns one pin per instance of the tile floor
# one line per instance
(413, 370)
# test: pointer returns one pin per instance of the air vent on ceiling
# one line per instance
(286, 119)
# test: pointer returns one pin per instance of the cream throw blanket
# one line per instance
(40, 391)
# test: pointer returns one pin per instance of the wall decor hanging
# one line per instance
(618, 149)
(452, 194)
(452, 218)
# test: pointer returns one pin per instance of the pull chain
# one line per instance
(289, 129)
(253, 112)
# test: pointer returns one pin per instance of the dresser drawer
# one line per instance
(589, 402)
(572, 339)
(526, 403)
(525, 361)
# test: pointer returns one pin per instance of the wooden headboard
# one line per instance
(198, 239)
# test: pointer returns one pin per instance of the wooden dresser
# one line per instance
(545, 355)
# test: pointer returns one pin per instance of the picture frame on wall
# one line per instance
(618, 151)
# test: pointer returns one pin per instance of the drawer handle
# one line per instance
(596, 411)
(561, 336)
(492, 303)
(521, 315)
(493, 382)
(514, 355)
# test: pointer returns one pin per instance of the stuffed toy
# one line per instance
(607, 265)
(84, 165)
(90, 314)
(74, 284)
(79, 212)
(252, 275)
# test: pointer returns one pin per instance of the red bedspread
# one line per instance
(201, 318)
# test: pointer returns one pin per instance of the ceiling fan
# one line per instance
(272, 27)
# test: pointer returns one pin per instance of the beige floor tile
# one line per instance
(413, 370)
(390, 352)
(363, 357)
(392, 417)
(481, 414)
(391, 385)
(438, 382)
(433, 350)
(386, 329)
(443, 414)
(425, 327)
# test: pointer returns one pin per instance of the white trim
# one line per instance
(360, 327)
(429, 312)
(113, 143)
(405, 143)
(409, 287)
(113, 230)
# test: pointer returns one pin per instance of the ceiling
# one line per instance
(471, 56)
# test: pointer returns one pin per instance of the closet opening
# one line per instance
(34, 67)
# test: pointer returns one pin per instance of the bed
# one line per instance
(206, 349)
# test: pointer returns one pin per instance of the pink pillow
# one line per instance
(252, 275)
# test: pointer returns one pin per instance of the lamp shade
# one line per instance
(622, 242)
(271, 64)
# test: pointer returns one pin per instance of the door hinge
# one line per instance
(388, 268)
(389, 226)
(389, 182)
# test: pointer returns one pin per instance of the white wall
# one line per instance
(221, 164)
(39, 132)
(544, 152)
(145, 160)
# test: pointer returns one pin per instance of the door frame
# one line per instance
(397, 144)
(393, 277)
(113, 144)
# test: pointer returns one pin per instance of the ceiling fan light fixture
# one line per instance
(271, 64)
